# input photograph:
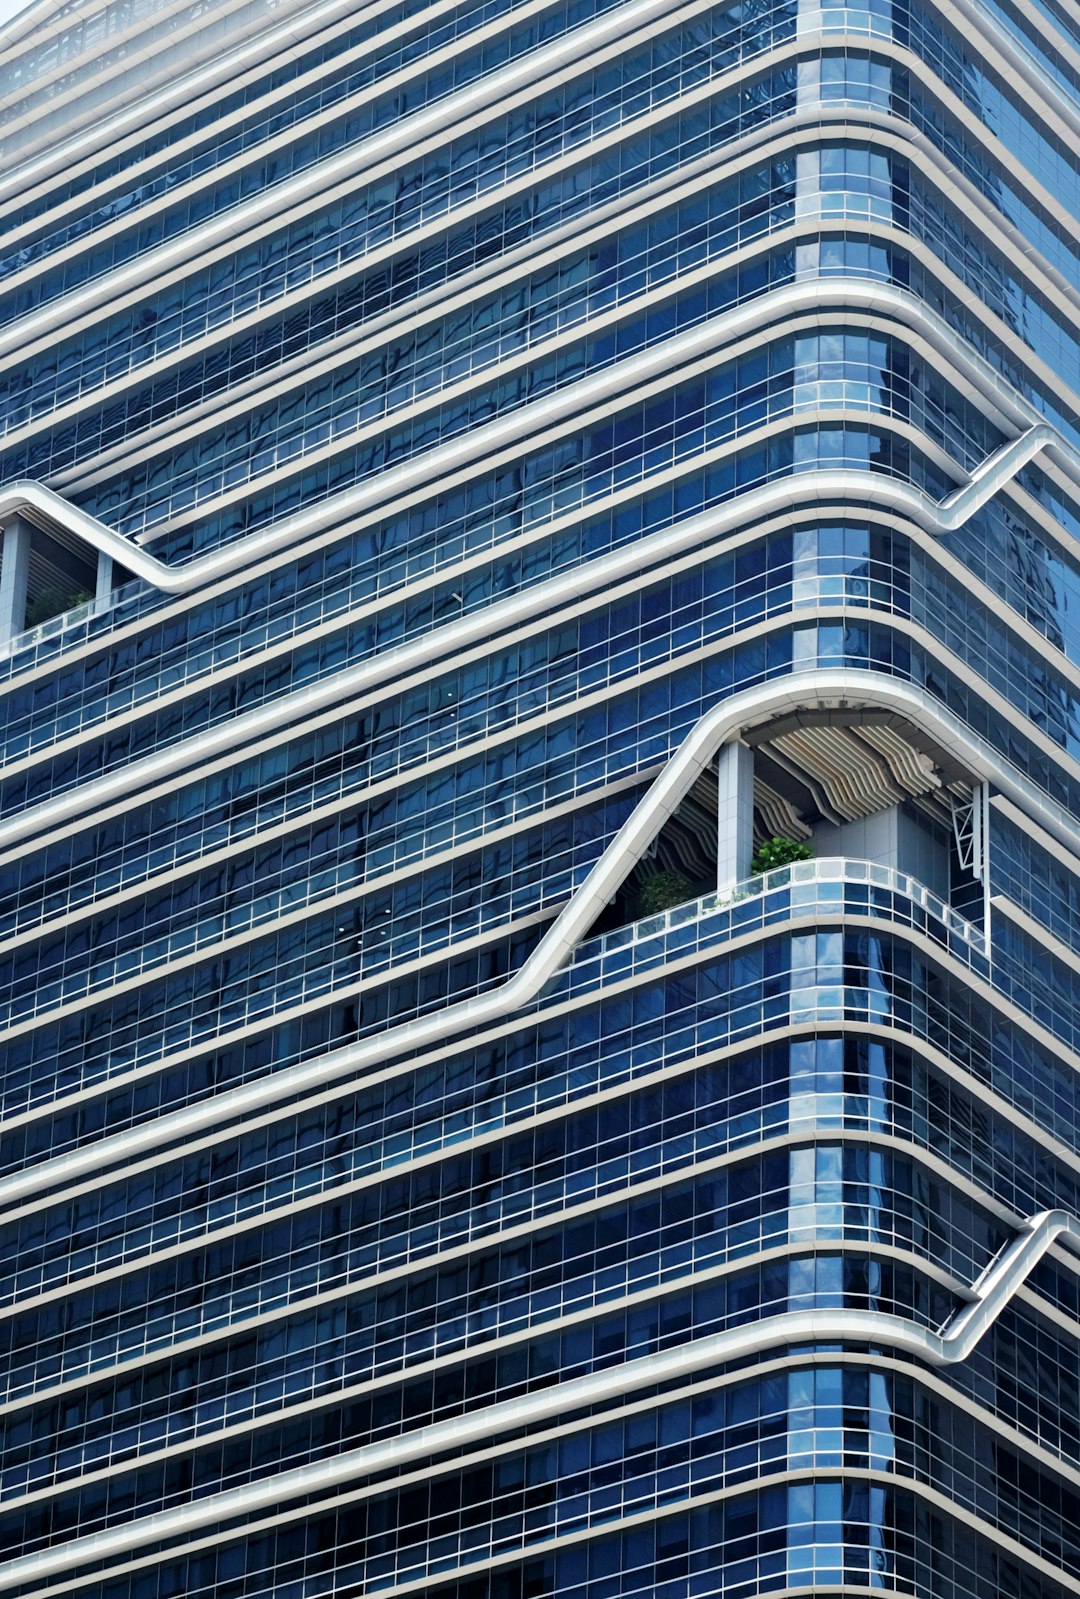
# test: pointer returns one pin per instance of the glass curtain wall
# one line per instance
(540, 799)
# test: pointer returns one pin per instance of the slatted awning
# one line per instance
(843, 771)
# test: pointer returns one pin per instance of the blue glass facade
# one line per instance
(481, 482)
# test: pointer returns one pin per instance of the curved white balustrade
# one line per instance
(26, 495)
(848, 688)
(811, 873)
(950, 1344)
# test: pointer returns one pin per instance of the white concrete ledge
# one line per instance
(852, 688)
(952, 1343)
(814, 296)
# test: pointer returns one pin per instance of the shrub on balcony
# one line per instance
(779, 852)
(50, 602)
(661, 892)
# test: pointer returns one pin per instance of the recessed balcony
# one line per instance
(842, 787)
(47, 573)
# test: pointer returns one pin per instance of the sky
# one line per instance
(11, 8)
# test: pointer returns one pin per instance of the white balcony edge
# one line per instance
(838, 687)
(29, 495)
(470, 106)
(988, 479)
(951, 1344)
(807, 1129)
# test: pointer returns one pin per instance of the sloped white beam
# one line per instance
(851, 688)
(27, 495)
(951, 1344)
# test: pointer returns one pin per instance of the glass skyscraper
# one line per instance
(540, 804)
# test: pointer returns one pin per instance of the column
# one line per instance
(104, 585)
(735, 812)
(14, 577)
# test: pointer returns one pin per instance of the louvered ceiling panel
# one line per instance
(910, 767)
(775, 815)
(856, 781)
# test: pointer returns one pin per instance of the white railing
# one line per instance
(810, 874)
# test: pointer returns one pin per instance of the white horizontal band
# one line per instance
(952, 1343)
(811, 122)
(673, 541)
(63, 1006)
(781, 1223)
(248, 1220)
(564, 407)
(815, 295)
(485, 97)
(544, 1113)
(471, 105)
(838, 687)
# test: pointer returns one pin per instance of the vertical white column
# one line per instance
(14, 576)
(980, 828)
(735, 812)
(104, 577)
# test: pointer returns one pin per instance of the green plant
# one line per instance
(779, 852)
(661, 891)
(50, 602)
